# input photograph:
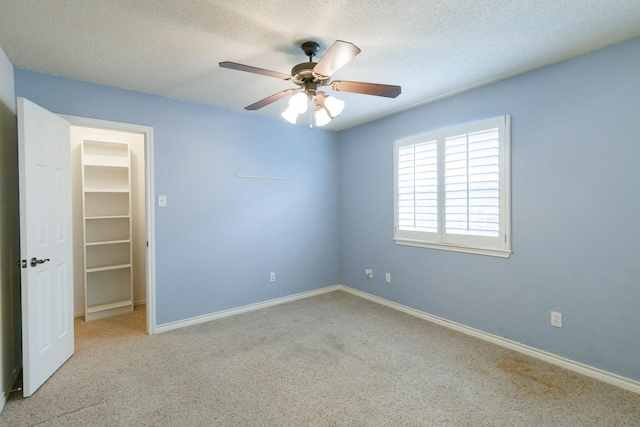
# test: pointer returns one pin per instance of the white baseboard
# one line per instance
(599, 374)
(244, 309)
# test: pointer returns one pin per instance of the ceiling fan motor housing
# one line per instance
(302, 73)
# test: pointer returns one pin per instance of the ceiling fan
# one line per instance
(310, 76)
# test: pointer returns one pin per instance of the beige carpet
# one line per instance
(330, 360)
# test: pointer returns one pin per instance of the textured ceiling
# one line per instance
(432, 48)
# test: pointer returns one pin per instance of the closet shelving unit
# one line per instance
(106, 201)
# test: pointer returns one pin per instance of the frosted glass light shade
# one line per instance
(290, 115)
(298, 102)
(322, 117)
(334, 105)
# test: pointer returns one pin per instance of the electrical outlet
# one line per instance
(369, 273)
(556, 319)
(272, 277)
(388, 277)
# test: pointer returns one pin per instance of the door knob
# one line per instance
(35, 261)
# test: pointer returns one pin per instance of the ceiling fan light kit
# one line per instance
(309, 76)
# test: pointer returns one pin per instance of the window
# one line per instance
(451, 188)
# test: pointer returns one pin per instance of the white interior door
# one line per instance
(45, 243)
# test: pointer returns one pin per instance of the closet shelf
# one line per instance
(99, 165)
(107, 242)
(107, 268)
(98, 190)
(106, 217)
(110, 306)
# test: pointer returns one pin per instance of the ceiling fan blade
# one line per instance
(338, 55)
(270, 99)
(255, 70)
(376, 89)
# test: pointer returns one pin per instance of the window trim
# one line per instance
(494, 246)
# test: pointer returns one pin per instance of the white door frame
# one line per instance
(149, 202)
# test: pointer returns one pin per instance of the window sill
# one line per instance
(501, 253)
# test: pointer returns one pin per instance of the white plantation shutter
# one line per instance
(451, 188)
(418, 187)
(472, 184)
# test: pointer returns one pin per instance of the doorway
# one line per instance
(139, 140)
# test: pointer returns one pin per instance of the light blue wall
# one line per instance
(576, 213)
(220, 237)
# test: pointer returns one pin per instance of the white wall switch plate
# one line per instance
(162, 201)
(388, 277)
(369, 273)
(272, 277)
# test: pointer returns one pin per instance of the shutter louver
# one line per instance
(418, 187)
(472, 178)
